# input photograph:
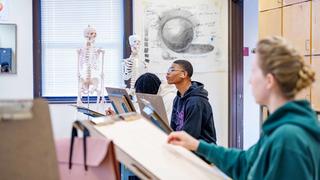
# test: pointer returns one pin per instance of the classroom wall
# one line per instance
(20, 85)
(63, 115)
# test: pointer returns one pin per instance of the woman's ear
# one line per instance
(271, 81)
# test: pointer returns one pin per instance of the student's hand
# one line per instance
(110, 112)
(183, 139)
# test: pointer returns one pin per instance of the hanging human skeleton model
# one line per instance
(131, 66)
(90, 68)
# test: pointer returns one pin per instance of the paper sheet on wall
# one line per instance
(189, 30)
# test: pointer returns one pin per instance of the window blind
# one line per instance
(62, 26)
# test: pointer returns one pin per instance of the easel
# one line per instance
(27, 147)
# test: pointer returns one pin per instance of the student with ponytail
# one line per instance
(289, 145)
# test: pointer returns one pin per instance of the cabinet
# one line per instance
(297, 21)
(296, 26)
(316, 27)
(315, 90)
(270, 23)
(288, 2)
(269, 4)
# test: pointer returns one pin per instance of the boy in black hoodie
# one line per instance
(191, 109)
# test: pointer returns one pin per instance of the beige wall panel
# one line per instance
(296, 26)
(316, 27)
(288, 2)
(269, 4)
(270, 23)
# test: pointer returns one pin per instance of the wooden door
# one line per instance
(316, 27)
(315, 90)
(296, 26)
(288, 2)
(270, 23)
(269, 4)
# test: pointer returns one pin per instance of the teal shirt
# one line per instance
(289, 148)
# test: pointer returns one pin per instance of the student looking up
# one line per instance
(191, 109)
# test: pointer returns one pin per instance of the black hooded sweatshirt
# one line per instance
(192, 113)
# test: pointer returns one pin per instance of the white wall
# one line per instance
(217, 85)
(20, 85)
(251, 112)
(62, 116)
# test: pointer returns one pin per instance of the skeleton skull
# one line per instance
(90, 33)
(134, 41)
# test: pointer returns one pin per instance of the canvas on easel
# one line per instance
(27, 147)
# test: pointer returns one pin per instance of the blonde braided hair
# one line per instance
(285, 64)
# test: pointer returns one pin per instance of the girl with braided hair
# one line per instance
(289, 145)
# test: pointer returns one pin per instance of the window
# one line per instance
(62, 24)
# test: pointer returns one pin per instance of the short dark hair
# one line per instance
(186, 65)
(147, 83)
